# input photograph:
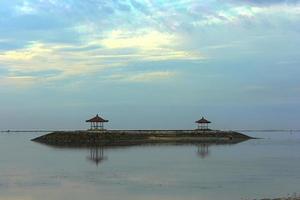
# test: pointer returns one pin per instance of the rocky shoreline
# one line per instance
(284, 198)
(138, 137)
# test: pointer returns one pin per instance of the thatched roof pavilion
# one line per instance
(97, 122)
(203, 124)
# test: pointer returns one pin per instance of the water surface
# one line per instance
(268, 167)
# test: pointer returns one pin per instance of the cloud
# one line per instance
(39, 61)
(146, 39)
(144, 76)
(268, 2)
(238, 14)
(140, 6)
(128, 32)
(149, 44)
(25, 9)
(33, 50)
(18, 81)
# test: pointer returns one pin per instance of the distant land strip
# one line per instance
(26, 131)
(268, 130)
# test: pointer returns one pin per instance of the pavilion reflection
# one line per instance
(203, 150)
(96, 155)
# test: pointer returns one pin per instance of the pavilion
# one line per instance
(203, 124)
(97, 123)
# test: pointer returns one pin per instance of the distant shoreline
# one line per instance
(283, 198)
(269, 130)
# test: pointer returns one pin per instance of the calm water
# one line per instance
(267, 167)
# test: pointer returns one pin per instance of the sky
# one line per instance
(152, 64)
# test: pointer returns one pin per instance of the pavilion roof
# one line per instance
(203, 121)
(97, 119)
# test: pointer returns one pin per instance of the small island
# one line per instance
(98, 136)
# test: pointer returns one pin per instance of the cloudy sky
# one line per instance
(149, 64)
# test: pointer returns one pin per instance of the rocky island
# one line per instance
(138, 137)
(98, 136)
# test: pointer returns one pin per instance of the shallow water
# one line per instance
(268, 167)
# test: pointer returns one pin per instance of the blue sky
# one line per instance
(149, 64)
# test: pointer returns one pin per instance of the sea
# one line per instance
(268, 167)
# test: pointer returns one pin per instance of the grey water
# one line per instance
(268, 167)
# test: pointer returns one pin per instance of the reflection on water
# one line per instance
(203, 150)
(253, 169)
(96, 155)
